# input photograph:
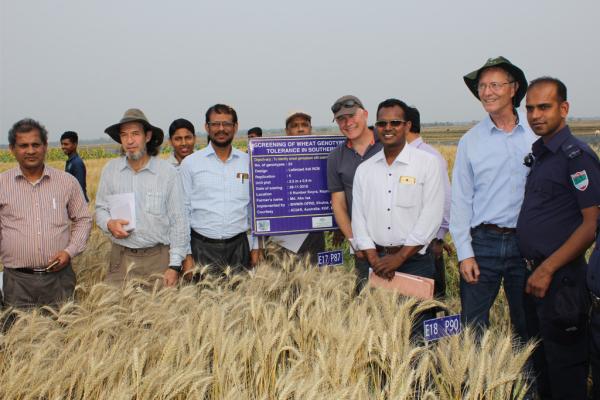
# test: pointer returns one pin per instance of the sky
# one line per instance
(78, 65)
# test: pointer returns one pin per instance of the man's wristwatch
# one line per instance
(177, 268)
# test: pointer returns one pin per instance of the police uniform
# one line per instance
(593, 281)
(564, 179)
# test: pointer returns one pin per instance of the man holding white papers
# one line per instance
(140, 204)
(398, 200)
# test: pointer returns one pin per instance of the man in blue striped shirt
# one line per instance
(159, 242)
(488, 183)
(217, 196)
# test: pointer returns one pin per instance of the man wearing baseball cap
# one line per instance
(488, 183)
(298, 123)
(351, 117)
(160, 240)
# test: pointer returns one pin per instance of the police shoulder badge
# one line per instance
(580, 180)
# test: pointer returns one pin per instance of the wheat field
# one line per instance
(288, 330)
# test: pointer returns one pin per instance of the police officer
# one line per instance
(593, 281)
(556, 225)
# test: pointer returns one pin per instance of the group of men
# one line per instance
(521, 210)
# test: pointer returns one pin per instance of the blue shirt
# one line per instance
(76, 167)
(160, 215)
(217, 193)
(564, 179)
(488, 180)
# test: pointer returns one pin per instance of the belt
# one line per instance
(388, 249)
(595, 302)
(496, 228)
(219, 241)
(34, 270)
(139, 251)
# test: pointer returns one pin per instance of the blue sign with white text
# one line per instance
(335, 257)
(288, 184)
(434, 329)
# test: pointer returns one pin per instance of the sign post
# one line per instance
(288, 184)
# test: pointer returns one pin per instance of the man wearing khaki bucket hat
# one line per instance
(140, 205)
(488, 185)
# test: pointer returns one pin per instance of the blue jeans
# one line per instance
(499, 259)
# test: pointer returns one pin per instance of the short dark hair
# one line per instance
(561, 89)
(255, 130)
(181, 123)
(221, 109)
(70, 135)
(414, 117)
(393, 103)
(26, 125)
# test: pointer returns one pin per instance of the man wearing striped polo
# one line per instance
(44, 223)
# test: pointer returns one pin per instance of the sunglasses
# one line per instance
(345, 104)
(395, 123)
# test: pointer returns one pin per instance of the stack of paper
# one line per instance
(405, 284)
(122, 206)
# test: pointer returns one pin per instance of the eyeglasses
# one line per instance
(494, 86)
(224, 124)
(346, 104)
(395, 123)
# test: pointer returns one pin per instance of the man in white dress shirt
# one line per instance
(398, 200)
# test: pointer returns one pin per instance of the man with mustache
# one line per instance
(556, 226)
(44, 223)
(217, 197)
(159, 242)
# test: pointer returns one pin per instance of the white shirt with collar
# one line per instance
(398, 204)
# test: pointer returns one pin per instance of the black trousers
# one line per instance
(25, 291)
(595, 351)
(560, 320)
(218, 255)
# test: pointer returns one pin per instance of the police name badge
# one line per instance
(408, 180)
(580, 180)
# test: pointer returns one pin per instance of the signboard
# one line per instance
(434, 329)
(325, 258)
(288, 184)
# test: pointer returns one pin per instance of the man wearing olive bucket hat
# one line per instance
(140, 204)
(488, 184)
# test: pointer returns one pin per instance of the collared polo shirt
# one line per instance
(341, 167)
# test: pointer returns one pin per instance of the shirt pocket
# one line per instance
(407, 195)
(155, 203)
(241, 190)
(545, 189)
